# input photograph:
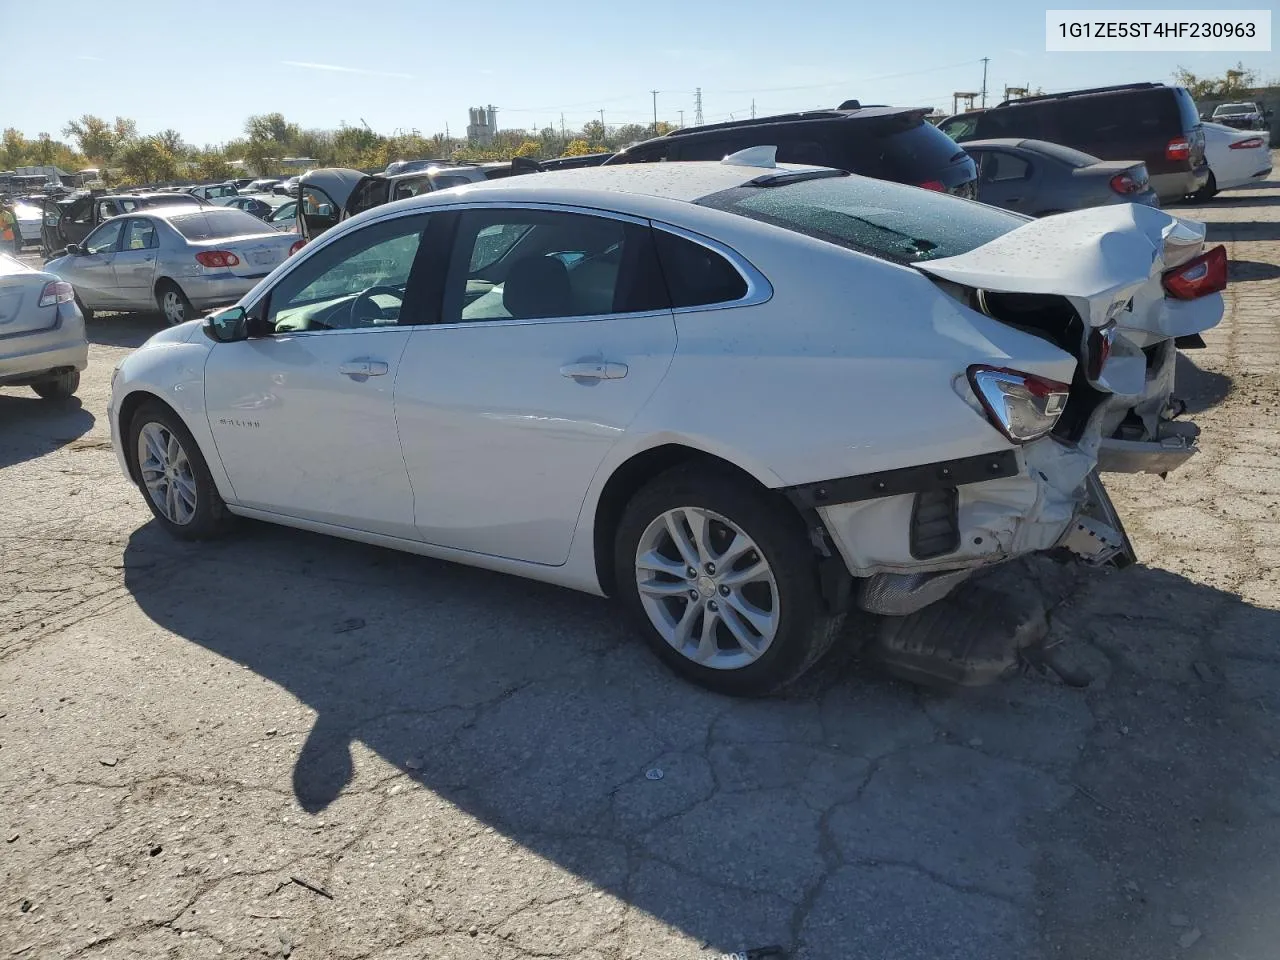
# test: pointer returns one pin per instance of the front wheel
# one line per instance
(173, 303)
(61, 387)
(722, 581)
(173, 475)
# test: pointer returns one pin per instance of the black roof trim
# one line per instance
(863, 112)
(1082, 93)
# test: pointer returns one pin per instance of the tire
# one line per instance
(61, 387)
(1208, 191)
(173, 303)
(208, 518)
(800, 627)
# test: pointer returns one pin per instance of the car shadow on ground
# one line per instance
(1201, 389)
(123, 329)
(1237, 200)
(1221, 231)
(31, 427)
(537, 712)
(1242, 271)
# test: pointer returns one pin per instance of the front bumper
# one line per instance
(27, 355)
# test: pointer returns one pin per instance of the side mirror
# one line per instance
(228, 326)
(74, 250)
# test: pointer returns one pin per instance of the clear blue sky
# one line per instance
(201, 68)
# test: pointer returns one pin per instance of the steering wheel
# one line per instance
(373, 308)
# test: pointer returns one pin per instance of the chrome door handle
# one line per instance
(594, 370)
(363, 368)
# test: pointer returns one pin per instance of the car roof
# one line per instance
(624, 188)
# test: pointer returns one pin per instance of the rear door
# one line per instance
(1005, 179)
(556, 331)
(135, 263)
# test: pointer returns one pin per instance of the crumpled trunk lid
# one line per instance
(1106, 261)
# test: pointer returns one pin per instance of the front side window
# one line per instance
(359, 281)
(540, 264)
(104, 239)
(318, 211)
(107, 209)
(140, 235)
(888, 220)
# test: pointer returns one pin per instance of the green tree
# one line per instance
(577, 148)
(211, 164)
(44, 149)
(13, 149)
(95, 137)
(1237, 81)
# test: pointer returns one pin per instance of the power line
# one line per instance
(841, 83)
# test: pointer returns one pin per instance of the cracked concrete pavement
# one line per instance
(285, 745)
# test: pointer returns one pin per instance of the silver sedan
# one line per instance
(177, 259)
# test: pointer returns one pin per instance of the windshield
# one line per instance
(889, 220)
(1233, 109)
(216, 224)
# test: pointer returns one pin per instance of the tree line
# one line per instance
(127, 156)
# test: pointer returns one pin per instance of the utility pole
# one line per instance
(655, 112)
(697, 107)
(562, 126)
(753, 108)
(682, 119)
(985, 61)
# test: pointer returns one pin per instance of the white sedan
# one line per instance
(737, 396)
(1236, 157)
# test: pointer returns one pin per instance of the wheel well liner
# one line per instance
(633, 474)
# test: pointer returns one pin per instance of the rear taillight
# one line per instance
(1200, 277)
(1179, 148)
(217, 258)
(1123, 183)
(934, 185)
(296, 246)
(56, 292)
(1253, 143)
(1100, 342)
(1020, 405)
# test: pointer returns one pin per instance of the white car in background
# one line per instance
(738, 396)
(1236, 157)
(30, 217)
(42, 338)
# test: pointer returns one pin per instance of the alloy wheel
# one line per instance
(707, 588)
(174, 311)
(166, 473)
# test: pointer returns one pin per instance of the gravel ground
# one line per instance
(285, 745)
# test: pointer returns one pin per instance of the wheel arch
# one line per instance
(129, 406)
(629, 476)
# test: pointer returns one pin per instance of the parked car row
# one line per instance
(986, 366)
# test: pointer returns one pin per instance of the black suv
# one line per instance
(1151, 122)
(888, 143)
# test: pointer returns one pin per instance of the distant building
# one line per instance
(483, 125)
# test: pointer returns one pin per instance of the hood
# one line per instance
(1097, 258)
(182, 333)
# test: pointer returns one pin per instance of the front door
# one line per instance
(92, 271)
(556, 330)
(302, 415)
(135, 263)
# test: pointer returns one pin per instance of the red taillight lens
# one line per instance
(217, 258)
(1200, 277)
(1123, 183)
(1253, 143)
(1100, 342)
(296, 246)
(934, 185)
(1020, 405)
(1179, 148)
(56, 292)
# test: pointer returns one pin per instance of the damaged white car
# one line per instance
(737, 396)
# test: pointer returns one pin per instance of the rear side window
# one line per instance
(1022, 122)
(1072, 158)
(652, 153)
(888, 220)
(906, 149)
(964, 127)
(696, 275)
(1187, 111)
(215, 224)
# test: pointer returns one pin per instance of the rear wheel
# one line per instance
(173, 475)
(1209, 190)
(722, 582)
(173, 303)
(61, 387)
